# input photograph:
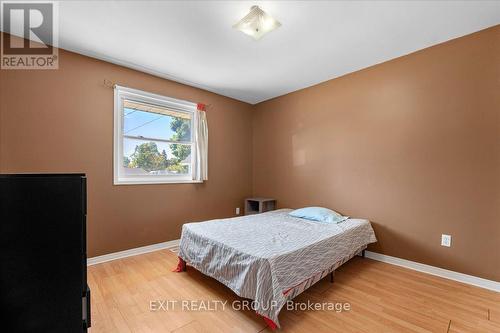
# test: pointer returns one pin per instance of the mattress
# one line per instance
(271, 257)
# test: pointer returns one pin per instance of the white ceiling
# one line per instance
(194, 42)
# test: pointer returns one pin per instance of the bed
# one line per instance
(271, 257)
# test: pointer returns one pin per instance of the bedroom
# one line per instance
(384, 113)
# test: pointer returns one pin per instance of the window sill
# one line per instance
(155, 181)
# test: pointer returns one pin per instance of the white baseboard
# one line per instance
(132, 252)
(441, 272)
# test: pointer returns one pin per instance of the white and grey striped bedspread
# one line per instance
(263, 256)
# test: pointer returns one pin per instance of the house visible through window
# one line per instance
(154, 138)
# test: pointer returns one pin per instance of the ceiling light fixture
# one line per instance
(257, 23)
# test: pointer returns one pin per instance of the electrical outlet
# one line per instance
(446, 240)
(237, 210)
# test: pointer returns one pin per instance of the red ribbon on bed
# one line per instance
(272, 325)
(181, 266)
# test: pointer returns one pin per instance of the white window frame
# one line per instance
(124, 93)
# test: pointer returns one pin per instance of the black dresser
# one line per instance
(43, 259)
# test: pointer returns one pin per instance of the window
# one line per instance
(154, 138)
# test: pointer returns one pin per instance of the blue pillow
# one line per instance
(318, 214)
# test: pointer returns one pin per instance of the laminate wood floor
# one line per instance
(382, 298)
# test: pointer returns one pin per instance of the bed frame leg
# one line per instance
(332, 277)
(363, 253)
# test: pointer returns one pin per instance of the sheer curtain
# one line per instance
(201, 173)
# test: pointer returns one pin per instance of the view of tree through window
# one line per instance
(154, 142)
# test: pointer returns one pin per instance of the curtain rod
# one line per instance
(110, 84)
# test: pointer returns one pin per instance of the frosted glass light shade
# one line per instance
(257, 23)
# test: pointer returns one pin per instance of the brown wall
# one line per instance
(412, 144)
(62, 121)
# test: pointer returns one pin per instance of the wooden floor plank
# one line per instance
(383, 298)
(494, 315)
